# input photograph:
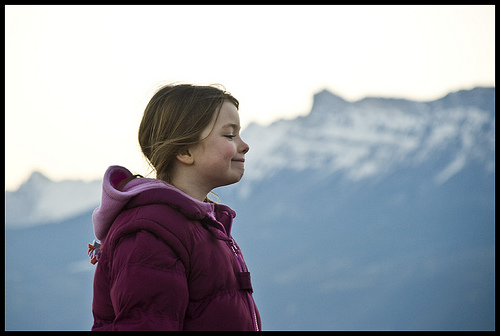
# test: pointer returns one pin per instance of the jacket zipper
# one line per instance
(242, 267)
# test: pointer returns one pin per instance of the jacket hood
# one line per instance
(114, 200)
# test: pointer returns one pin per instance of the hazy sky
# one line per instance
(78, 77)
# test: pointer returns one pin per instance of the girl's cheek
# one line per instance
(231, 150)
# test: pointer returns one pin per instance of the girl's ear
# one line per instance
(185, 157)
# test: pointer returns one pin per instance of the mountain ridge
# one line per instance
(359, 139)
(351, 132)
(40, 200)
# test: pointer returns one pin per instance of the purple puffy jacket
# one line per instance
(168, 261)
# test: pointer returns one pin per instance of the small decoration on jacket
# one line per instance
(95, 250)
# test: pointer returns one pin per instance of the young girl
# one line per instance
(167, 259)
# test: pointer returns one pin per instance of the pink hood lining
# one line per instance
(113, 200)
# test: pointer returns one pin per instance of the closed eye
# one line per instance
(230, 136)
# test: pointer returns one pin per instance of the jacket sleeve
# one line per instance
(148, 284)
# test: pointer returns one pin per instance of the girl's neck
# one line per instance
(190, 189)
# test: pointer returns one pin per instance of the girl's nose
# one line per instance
(244, 147)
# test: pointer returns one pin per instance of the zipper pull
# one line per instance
(233, 246)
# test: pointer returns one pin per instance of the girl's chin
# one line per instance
(232, 180)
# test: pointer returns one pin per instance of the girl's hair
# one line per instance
(174, 120)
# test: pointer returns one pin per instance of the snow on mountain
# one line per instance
(373, 136)
(40, 200)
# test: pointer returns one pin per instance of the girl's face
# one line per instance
(220, 157)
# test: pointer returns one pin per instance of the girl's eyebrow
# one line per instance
(236, 127)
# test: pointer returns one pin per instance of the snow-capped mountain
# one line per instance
(372, 215)
(375, 136)
(377, 214)
(40, 200)
(367, 138)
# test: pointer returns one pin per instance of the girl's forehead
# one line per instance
(228, 116)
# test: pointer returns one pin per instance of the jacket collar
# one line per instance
(150, 191)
